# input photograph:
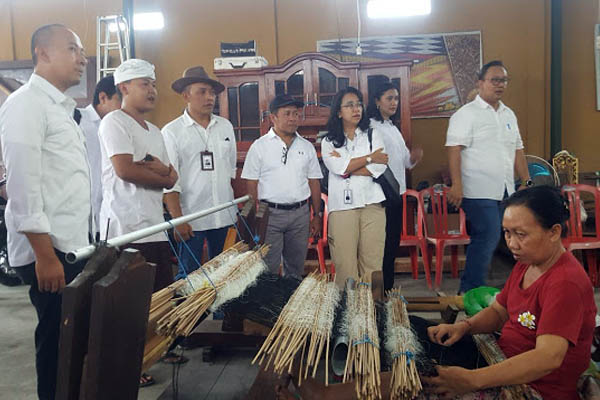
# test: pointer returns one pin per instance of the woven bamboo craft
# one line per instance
(403, 346)
(363, 363)
(304, 325)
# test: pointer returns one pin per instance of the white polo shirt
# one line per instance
(90, 122)
(278, 182)
(48, 177)
(490, 139)
(185, 139)
(395, 147)
(364, 190)
(130, 207)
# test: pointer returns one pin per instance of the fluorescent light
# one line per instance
(148, 21)
(397, 8)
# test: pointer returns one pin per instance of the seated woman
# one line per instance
(546, 311)
(356, 230)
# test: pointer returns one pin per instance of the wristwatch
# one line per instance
(369, 160)
(529, 183)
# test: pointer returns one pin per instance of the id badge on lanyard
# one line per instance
(207, 160)
(348, 193)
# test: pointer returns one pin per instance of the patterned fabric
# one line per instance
(444, 72)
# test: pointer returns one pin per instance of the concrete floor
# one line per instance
(228, 377)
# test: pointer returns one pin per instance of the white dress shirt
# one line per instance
(395, 148)
(90, 123)
(48, 177)
(129, 206)
(364, 190)
(278, 182)
(185, 139)
(490, 139)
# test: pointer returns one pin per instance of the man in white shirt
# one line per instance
(201, 147)
(282, 169)
(484, 149)
(48, 183)
(136, 168)
(105, 100)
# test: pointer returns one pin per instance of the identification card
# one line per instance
(207, 161)
(347, 196)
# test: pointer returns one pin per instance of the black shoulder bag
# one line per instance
(388, 182)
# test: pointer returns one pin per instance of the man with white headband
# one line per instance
(135, 168)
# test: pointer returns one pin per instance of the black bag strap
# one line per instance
(370, 136)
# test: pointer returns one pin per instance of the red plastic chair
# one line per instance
(322, 241)
(441, 237)
(575, 239)
(413, 238)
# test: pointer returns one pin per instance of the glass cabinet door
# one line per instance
(244, 112)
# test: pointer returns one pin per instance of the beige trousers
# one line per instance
(356, 242)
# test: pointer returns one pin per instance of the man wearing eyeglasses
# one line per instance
(282, 170)
(484, 149)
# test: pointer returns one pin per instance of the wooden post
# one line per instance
(118, 323)
(75, 323)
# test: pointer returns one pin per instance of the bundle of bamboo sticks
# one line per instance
(363, 363)
(403, 345)
(305, 324)
(222, 284)
(164, 300)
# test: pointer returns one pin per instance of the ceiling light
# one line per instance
(148, 21)
(397, 8)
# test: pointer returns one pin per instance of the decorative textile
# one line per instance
(444, 73)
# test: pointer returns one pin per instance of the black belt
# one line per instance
(288, 206)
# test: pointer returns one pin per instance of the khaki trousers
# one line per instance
(356, 242)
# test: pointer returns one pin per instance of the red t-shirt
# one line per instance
(561, 303)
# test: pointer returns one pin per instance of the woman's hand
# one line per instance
(379, 157)
(451, 382)
(416, 154)
(447, 334)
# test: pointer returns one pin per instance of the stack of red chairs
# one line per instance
(442, 237)
(575, 239)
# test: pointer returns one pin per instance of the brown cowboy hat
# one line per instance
(194, 75)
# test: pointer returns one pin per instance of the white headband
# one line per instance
(133, 69)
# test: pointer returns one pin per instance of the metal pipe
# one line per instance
(87, 251)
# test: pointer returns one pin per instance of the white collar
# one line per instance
(52, 91)
(93, 114)
(189, 121)
(484, 104)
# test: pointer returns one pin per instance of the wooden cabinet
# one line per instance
(311, 77)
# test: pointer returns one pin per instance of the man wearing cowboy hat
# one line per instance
(135, 168)
(202, 148)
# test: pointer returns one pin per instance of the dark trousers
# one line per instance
(215, 239)
(158, 253)
(463, 353)
(48, 308)
(485, 226)
(393, 229)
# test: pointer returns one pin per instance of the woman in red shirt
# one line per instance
(546, 311)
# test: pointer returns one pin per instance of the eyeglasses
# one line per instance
(499, 81)
(353, 105)
(284, 154)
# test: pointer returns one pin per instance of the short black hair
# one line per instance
(547, 204)
(484, 69)
(335, 126)
(41, 37)
(373, 111)
(106, 85)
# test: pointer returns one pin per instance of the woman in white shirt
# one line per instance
(384, 113)
(356, 231)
